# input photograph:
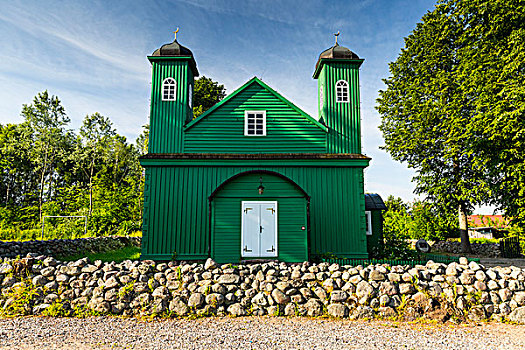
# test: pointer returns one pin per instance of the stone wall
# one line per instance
(43, 285)
(65, 247)
(489, 250)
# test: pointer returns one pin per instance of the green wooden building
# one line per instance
(254, 177)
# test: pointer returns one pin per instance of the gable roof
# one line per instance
(272, 91)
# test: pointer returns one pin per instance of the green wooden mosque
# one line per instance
(255, 177)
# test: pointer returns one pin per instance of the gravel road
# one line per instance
(251, 333)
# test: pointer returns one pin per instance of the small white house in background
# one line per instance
(487, 226)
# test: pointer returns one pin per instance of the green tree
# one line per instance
(206, 94)
(46, 120)
(96, 134)
(427, 113)
(492, 75)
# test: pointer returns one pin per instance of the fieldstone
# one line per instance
(196, 299)
(210, 264)
(363, 312)
(387, 312)
(466, 278)
(260, 299)
(289, 310)
(47, 271)
(337, 310)
(384, 300)
(520, 298)
(215, 299)
(280, 297)
(463, 261)
(50, 298)
(308, 277)
(236, 310)
(375, 275)
(364, 289)
(479, 285)
(38, 309)
(321, 293)
(39, 280)
(62, 278)
(480, 275)
(505, 294)
(394, 277)
(493, 285)
(313, 308)
(338, 296)
(89, 269)
(518, 315)
(229, 279)
(504, 309)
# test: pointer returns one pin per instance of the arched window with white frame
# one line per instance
(341, 90)
(169, 88)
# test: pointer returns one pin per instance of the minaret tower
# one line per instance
(173, 73)
(337, 74)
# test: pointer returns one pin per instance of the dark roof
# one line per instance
(337, 52)
(172, 49)
(175, 49)
(373, 201)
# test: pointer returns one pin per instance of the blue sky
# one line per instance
(92, 54)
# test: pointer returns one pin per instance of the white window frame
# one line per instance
(368, 218)
(345, 94)
(190, 95)
(168, 85)
(246, 123)
(247, 254)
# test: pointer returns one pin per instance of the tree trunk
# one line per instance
(7, 193)
(91, 191)
(463, 229)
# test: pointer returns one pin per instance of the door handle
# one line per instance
(271, 250)
(246, 249)
(260, 229)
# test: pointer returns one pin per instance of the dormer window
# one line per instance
(169, 87)
(255, 123)
(341, 90)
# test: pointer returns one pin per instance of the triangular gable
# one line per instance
(269, 89)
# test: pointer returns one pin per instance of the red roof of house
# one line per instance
(488, 221)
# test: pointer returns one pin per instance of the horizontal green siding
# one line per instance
(287, 131)
(177, 207)
(167, 118)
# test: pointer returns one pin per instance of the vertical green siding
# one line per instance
(291, 210)
(343, 119)
(179, 222)
(167, 118)
(287, 131)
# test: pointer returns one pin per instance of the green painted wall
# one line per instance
(167, 118)
(287, 131)
(179, 221)
(375, 241)
(291, 217)
(342, 119)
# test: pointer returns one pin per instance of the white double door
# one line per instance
(259, 229)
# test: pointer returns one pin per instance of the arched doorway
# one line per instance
(259, 215)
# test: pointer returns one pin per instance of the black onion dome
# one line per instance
(337, 52)
(173, 49)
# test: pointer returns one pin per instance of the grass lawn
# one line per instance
(129, 252)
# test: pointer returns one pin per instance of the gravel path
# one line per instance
(251, 333)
